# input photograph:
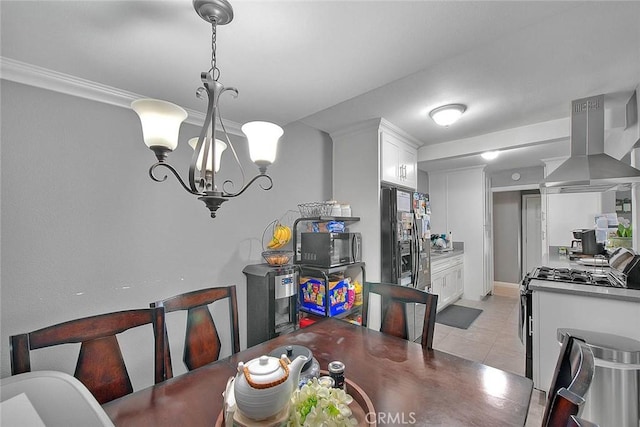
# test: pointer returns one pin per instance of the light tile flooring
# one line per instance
(492, 339)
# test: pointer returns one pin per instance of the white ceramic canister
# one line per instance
(345, 210)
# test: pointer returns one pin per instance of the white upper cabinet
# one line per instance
(399, 159)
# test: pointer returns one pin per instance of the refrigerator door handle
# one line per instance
(416, 254)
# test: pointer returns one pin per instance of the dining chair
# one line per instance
(100, 366)
(571, 380)
(202, 342)
(394, 315)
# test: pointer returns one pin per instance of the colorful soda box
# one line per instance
(314, 297)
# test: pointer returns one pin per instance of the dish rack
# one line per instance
(314, 209)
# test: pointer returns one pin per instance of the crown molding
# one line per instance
(32, 75)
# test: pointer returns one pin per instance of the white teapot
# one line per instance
(263, 386)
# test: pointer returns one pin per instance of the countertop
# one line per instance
(440, 255)
(458, 249)
(563, 261)
(632, 295)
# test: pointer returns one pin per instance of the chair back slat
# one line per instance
(394, 319)
(202, 340)
(89, 328)
(108, 379)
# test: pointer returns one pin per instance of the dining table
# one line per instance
(405, 383)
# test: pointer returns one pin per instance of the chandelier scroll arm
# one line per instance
(211, 107)
(174, 172)
(254, 179)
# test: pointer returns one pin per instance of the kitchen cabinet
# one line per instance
(589, 310)
(447, 280)
(461, 203)
(398, 163)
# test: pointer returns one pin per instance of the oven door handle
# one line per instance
(521, 318)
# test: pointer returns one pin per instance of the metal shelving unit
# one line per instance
(324, 273)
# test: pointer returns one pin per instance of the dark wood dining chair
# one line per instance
(100, 366)
(394, 314)
(202, 342)
(571, 380)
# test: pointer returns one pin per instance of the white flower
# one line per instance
(314, 405)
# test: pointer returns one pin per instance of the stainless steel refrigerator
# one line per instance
(405, 233)
(406, 236)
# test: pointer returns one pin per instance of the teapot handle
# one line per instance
(284, 378)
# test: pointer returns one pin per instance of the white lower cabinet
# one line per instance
(447, 280)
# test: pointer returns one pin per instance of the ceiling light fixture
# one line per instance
(490, 155)
(161, 124)
(447, 114)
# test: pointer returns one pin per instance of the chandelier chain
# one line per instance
(215, 71)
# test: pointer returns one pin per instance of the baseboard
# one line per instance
(506, 289)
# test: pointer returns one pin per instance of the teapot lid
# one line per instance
(264, 366)
(292, 351)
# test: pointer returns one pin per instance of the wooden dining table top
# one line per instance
(406, 384)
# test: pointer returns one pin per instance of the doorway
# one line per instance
(531, 232)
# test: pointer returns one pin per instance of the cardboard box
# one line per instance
(314, 298)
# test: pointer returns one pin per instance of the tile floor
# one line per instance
(492, 339)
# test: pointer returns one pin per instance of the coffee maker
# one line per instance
(272, 308)
(576, 244)
(585, 243)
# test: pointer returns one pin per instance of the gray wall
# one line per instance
(423, 182)
(85, 231)
(506, 236)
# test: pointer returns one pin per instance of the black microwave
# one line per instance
(330, 249)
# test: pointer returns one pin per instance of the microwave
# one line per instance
(330, 249)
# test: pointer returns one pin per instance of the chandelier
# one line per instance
(161, 122)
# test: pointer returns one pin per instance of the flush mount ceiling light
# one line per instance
(161, 124)
(447, 114)
(490, 155)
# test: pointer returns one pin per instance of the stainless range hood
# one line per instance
(589, 169)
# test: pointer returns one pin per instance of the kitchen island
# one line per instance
(578, 306)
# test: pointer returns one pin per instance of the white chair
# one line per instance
(57, 398)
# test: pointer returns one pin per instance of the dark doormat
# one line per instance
(458, 316)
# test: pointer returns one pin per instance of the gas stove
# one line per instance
(598, 277)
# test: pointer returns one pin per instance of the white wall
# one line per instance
(85, 231)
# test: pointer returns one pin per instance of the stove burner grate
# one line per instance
(574, 276)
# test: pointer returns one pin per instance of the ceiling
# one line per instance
(331, 64)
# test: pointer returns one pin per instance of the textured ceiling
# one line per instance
(334, 63)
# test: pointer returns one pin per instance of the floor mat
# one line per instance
(458, 316)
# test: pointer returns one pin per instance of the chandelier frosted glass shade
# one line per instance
(447, 114)
(263, 140)
(160, 121)
(220, 147)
